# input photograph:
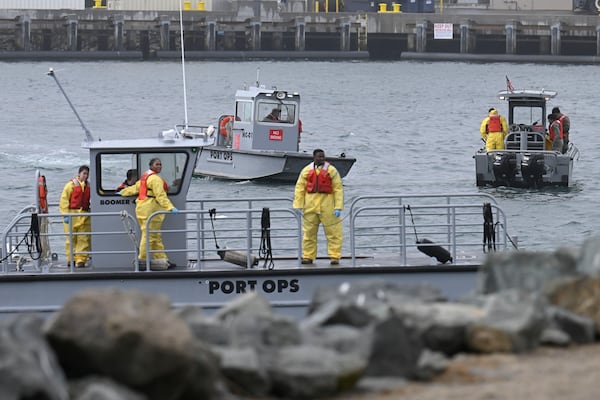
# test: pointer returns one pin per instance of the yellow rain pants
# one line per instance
(81, 243)
(157, 200)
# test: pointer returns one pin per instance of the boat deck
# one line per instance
(380, 235)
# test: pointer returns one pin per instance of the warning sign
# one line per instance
(442, 31)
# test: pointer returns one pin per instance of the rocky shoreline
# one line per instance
(367, 339)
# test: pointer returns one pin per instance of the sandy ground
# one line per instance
(547, 374)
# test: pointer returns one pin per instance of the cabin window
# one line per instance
(276, 112)
(243, 111)
(113, 169)
(528, 116)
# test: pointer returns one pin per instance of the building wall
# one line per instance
(42, 4)
(531, 5)
(156, 5)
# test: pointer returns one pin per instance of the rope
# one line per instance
(212, 213)
(31, 239)
(413, 222)
(489, 231)
(265, 250)
(130, 231)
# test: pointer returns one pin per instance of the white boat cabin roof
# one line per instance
(254, 91)
(527, 93)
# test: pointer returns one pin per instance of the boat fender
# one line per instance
(210, 131)
(238, 257)
(433, 250)
(43, 194)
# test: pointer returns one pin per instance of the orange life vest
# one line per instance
(551, 131)
(494, 124)
(80, 198)
(320, 183)
(43, 194)
(144, 185)
(561, 119)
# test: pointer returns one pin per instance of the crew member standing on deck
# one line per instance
(554, 140)
(75, 199)
(320, 194)
(565, 123)
(152, 196)
(493, 130)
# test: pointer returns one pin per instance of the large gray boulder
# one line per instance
(29, 368)
(513, 323)
(525, 270)
(312, 372)
(578, 295)
(135, 339)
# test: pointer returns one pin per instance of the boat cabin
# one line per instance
(526, 118)
(265, 119)
(109, 162)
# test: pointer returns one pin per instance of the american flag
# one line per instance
(509, 85)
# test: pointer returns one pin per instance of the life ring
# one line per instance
(225, 125)
(597, 4)
(43, 194)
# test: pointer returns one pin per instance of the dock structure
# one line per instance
(267, 29)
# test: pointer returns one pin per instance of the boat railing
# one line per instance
(227, 218)
(394, 224)
(240, 230)
(525, 140)
(375, 227)
(20, 236)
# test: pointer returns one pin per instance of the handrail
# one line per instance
(20, 224)
(381, 224)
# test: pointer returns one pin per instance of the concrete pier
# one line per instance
(96, 33)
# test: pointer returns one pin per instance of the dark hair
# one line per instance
(84, 168)
(555, 110)
(131, 173)
(315, 151)
(153, 160)
(491, 109)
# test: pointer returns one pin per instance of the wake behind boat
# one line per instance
(261, 140)
(527, 159)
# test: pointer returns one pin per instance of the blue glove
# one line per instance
(174, 211)
(66, 220)
(337, 213)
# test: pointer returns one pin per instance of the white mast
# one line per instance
(183, 66)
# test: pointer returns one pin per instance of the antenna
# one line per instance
(257, 76)
(185, 114)
(88, 134)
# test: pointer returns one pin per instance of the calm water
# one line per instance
(412, 125)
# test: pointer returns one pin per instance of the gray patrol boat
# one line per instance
(261, 140)
(526, 160)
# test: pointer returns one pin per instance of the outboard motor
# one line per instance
(532, 169)
(505, 167)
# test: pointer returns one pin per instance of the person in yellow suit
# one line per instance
(320, 194)
(75, 199)
(152, 196)
(493, 130)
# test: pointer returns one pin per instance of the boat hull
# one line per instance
(523, 169)
(288, 290)
(226, 163)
